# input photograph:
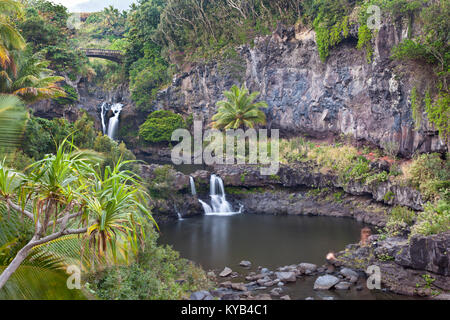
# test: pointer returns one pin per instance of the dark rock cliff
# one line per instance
(346, 95)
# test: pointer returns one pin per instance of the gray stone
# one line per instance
(201, 295)
(349, 273)
(286, 276)
(307, 268)
(286, 297)
(238, 287)
(226, 272)
(309, 298)
(245, 264)
(276, 291)
(325, 282)
(343, 285)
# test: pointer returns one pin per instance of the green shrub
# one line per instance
(42, 135)
(364, 41)
(162, 184)
(159, 126)
(154, 276)
(399, 219)
(70, 98)
(435, 219)
(431, 175)
(338, 196)
(388, 196)
(113, 151)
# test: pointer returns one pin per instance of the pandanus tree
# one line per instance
(239, 110)
(64, 195)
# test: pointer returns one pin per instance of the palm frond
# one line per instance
(13, 116)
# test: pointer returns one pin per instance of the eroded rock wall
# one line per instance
(346, 95)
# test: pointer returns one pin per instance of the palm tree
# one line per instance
(33, 81)
(63, 195)
(10, 38)
(13, 116)
(239, 110)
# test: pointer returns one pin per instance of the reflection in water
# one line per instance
(269, 241)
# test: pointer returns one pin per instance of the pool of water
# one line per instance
(268, 241)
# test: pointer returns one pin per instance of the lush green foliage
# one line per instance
(435, 219)
(159, 126)
(431, 175)
(71, 96)
(110, 205)
(399, 219)
(432, 47)
(42, 136)
(331, 24)
(45, 29)
(113, 152)
(162, 186)
(159, 273)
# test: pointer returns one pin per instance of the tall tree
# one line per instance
(10, 38)
(64, 195)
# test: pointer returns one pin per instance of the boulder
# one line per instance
(201, 295)
(286, 276)
(343, 285)
(265, 270)
(286, 297)
(307, 268)
(245, 264)
(226, 272)
(238, 287)
(276, 291)
(430, 253)
(349, 273)
(325, 282)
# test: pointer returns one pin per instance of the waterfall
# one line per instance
(102, 115)
(219, 204)
(113, 124)
(180, 217)
(206, 207)
(193, 191)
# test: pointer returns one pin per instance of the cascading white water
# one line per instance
(219, 204)
(193, 191)
(102, 115)
(113, 124)
(206, 207)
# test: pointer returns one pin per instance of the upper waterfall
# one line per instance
(111, 130)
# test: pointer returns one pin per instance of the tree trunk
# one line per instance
(21, 255)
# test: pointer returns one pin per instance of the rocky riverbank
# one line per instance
(415, 267)
(264, 284)
(419, 266)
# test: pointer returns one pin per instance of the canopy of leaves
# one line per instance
(159, 126)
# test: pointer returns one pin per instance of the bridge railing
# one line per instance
(102, 51)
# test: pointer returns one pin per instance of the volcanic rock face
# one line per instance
(427, 253)
(346, 95)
